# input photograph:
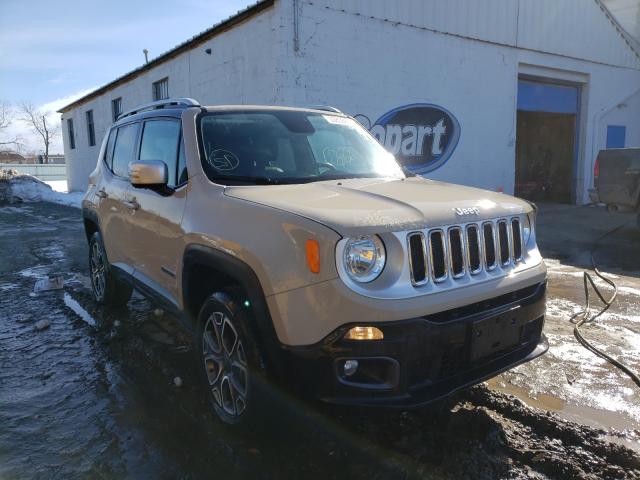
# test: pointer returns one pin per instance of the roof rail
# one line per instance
(326, 108)
(183, 102)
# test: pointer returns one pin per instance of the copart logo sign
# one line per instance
(422, 136)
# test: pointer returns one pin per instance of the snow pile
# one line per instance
(15, 187)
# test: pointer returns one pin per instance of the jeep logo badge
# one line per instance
(422, 136)
(467, 211)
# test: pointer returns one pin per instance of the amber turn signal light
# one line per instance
(364, 333)
(313, 255)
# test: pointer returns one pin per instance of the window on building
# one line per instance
(616, 136)
(91, 132)
(72, 135)
(124, 149)
(160, 142)
(161, 89)
(116, 108)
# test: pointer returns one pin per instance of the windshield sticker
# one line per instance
(223, 160)
(340, 156)
(336, 120)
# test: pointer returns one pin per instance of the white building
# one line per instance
(510, 95)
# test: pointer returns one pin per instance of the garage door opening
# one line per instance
(546, 134)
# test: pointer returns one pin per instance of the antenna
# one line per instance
(146, 55)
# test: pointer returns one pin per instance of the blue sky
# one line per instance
(52, 51)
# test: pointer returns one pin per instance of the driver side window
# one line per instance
(160, 141)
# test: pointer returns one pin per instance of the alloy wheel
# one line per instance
(98, 270)
(225, 364)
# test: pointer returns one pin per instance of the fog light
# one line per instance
(364, 333)
(350, 367)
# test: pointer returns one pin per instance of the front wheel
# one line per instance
(107, 289)
(228, 359)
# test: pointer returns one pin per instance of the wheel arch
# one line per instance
(207, 271)
(91, 222)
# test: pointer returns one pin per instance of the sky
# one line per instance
(52, 52)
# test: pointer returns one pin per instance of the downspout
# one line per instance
(296, 36)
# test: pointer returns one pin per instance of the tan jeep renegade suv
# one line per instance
(298, 250)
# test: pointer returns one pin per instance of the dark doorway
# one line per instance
(545, 141)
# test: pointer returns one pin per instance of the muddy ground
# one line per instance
(93, 395)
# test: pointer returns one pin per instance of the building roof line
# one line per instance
(633, 44)
(198, 39)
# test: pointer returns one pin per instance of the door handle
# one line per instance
(102, 193)
(132, 204)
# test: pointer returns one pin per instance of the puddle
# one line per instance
(80, 279)
(37, 272)
(78, 310)
(607, 420)
(9, 209)
(52, 252)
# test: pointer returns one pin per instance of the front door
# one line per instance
(156, 231)
(113, 196)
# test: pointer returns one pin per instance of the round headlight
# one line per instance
(364, 258)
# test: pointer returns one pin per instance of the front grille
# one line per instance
(517, 239)
(438, 256)
(456, 252)
(503, 238)
(418, 258)
(489, 246)
(473, 249)
(461, 250)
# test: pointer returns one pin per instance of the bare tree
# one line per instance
(6, 117)
(40, 123)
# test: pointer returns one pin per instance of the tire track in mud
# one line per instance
(556, 447)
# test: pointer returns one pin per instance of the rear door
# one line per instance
(112, 195)
(157, 235)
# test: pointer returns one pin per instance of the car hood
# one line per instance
(365, 205)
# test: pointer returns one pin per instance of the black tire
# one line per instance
(228, 361)
(107, 289)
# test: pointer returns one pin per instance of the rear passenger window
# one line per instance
(124, 150)
(108, 154)
(160, 142)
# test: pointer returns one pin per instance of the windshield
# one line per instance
(290, 147)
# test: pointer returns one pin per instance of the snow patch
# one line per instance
(29, 189)
(58, 185)
(564, 309)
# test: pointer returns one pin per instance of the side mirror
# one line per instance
(148, 173)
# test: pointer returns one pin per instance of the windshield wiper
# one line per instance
(342, 176)
(407, 172)
(249, 179)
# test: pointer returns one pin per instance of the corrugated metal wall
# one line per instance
(492, 20)
(573, 28)
(576, 28)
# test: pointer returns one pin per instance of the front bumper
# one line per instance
(423, 359)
